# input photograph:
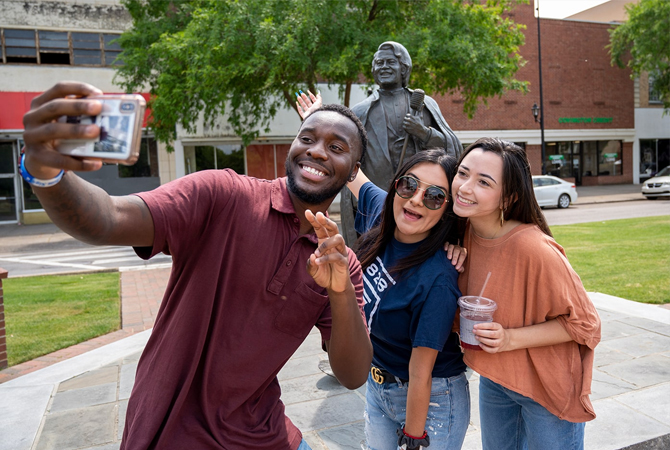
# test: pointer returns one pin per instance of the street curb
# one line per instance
(658, 443)
(609, 200)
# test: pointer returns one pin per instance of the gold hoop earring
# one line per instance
(502, 217)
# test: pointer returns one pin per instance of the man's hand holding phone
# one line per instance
(46, 131)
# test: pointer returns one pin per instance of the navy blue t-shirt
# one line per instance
(415, 308)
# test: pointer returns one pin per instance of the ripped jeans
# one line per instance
(448, 414)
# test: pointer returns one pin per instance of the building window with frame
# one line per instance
(59, 47)
(205, 157)
(54, 47)
(654, 93)
(559, 159)
(19, 46)
(610, 161)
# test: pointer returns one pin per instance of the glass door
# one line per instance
(8, 174)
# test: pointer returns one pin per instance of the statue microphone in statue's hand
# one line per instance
(413, 124)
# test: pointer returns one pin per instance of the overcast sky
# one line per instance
(560, 9)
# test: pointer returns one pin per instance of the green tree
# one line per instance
(246, 59)
(643, 43)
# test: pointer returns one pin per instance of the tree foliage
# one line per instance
(246, 59)
(643, 43)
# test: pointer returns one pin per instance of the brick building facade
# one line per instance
(588, 104)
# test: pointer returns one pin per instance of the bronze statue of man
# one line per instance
(388, 120)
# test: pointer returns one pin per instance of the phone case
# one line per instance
(120, 125)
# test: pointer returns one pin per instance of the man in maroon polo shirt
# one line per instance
(239, 301)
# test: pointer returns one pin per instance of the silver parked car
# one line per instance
(552, 191)
(658, 186)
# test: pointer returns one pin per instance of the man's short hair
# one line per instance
(349, 114)
(401, 53)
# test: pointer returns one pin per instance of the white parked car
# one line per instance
(552, 191)
(658, 186)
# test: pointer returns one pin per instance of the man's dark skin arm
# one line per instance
(349, 347)
(79, 208)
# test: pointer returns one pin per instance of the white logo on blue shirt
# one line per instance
(377, 280)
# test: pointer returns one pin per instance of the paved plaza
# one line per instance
(80, 402)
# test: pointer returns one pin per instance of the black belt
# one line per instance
(381, 376)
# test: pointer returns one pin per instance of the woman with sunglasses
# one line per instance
(537, 357)
(417, 391)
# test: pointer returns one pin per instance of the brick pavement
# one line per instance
(141, 294)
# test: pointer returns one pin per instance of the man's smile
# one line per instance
(312, 171)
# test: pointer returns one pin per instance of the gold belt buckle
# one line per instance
(377, 375)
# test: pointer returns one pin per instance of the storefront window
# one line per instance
(654, 156)
(577, 159)
(609, 157)
(214, 157)
(589, 159)
(559, 159)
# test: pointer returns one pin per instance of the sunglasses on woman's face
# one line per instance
(433, 196)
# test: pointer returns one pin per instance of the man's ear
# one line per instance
(354, 171)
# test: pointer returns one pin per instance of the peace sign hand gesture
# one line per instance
(329, 264)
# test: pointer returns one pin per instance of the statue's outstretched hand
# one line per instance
(308, 103)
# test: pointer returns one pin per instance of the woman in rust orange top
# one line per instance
(536, 357)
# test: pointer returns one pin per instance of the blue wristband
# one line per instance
(35, 181)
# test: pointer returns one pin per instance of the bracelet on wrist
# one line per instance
(36, 181)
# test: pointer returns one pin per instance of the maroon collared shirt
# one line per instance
(238, 304)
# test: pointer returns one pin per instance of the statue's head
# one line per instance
(385, 74)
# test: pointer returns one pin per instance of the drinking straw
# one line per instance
(484, 287)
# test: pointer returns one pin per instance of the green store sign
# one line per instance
(585, 119)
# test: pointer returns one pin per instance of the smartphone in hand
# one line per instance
(120, 125)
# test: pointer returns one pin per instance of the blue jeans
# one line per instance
(511, 421)
(448, 413)
(304, 446)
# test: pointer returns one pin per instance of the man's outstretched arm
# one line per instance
(79, 208)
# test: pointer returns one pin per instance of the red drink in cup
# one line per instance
(474, 310)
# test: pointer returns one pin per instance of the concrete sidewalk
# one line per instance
(80, 402)
(609, 193)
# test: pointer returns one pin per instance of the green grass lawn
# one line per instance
(626, 258)
(47, 313)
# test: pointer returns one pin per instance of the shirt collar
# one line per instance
(281, 202)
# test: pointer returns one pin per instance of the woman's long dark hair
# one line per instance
(373, 243)
(517, 185)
